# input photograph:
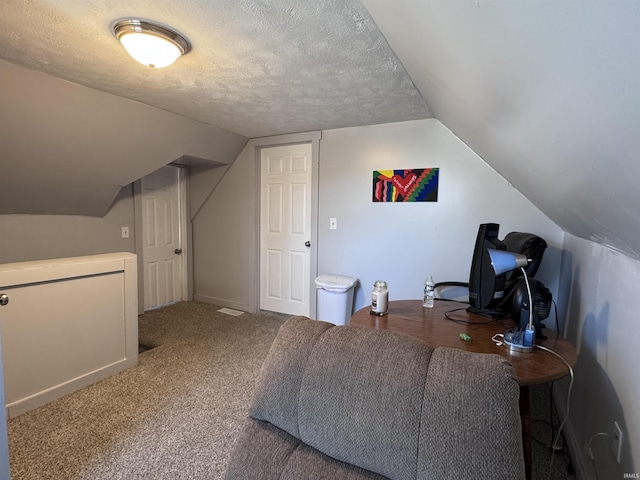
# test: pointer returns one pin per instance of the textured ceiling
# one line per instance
(257, 68)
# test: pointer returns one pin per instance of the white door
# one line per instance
(162, 232)
(285, 228)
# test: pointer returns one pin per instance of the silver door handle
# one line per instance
(4, 299)
(307, 243)
(177, 251)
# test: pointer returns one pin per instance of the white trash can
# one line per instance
(335, 298)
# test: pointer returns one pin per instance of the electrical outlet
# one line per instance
(616, 442)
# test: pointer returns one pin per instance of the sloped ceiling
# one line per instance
(256, 68)
(67, 149)
(545, 92)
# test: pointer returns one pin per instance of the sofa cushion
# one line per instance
(358, 407)
(261, 451)
(307, 462)
(278, 387)
(470, 421)
(265, 452)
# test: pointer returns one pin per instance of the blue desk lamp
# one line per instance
(503, 262)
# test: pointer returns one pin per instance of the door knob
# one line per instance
(4, 299)
(307, 243)
(177, 251)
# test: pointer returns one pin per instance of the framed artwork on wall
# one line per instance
(409, 185)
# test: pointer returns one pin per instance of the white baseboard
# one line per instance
(223, 302)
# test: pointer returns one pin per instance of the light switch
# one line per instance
(333, 223)
(125, 232)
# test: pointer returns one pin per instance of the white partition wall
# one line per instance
(69, 323)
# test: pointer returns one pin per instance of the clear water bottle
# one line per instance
(429, 292)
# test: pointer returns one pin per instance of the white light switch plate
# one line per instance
(333, 223)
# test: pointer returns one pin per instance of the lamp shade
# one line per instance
(150, 44)
(503, 262)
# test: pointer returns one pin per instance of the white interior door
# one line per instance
(285, 228)
(162, 237)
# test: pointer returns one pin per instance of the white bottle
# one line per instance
(429, 292)
(379, 298)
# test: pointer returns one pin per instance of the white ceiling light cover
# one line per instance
(150, 44)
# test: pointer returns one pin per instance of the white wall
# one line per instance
(402, 243)
(66, 149)
(399, 243)
(224, 229)
(603, 325)
(40, 237)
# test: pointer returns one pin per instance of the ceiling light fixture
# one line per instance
(150, 44)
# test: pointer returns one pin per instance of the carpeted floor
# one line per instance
(173, 416)
(177, 413)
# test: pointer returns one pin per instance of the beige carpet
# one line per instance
(177, 413)
(173, 416)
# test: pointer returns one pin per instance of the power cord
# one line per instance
(554, 446)
(587, 446)
(551, 428)
(466, 322)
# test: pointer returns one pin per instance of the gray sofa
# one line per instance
(340, 402)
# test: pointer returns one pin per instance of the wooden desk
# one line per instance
(442, 325)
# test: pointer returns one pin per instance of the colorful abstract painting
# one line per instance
(412, 185)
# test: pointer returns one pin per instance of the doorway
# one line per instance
(286, 228)
(164, 266)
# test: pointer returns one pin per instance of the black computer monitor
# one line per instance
(486, 289)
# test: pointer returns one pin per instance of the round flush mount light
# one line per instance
(153, 45)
